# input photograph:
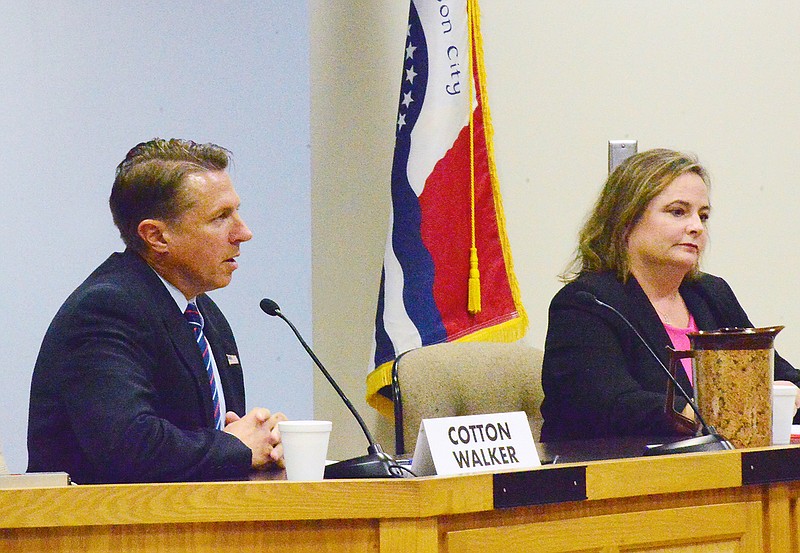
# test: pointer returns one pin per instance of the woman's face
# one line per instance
(671, 233)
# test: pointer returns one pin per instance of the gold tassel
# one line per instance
(520, 325)
(474, 300)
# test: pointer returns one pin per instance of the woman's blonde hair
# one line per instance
(602, 242)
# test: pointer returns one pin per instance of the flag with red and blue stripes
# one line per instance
(447, 272)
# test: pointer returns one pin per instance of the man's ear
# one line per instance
(154, 234)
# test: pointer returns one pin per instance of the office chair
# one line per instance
(464, 378)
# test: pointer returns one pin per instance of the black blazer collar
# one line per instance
(646, 319)
(180, 333)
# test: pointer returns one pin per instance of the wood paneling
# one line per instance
(693, 502)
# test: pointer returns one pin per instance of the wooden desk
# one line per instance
(726, 501)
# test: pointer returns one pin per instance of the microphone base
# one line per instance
(710, 442)
(375, 464)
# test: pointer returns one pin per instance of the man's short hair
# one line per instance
(149, 183)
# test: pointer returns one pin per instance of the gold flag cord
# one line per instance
(520, 326)
(474, 289)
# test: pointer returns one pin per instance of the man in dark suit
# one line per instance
(131, 384)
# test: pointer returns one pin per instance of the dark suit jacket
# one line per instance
(120, 392)
(598, 378)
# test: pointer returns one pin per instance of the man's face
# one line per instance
(203, 242)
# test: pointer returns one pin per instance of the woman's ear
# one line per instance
(626, 234)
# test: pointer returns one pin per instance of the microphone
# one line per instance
(711, 440)
(377, 463)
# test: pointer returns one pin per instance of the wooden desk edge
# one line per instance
(243, 501)
(343, 499)
(663, 474)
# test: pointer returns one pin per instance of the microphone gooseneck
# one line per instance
(711, 440)
(269, 307)
(586, 297)
(377, 463)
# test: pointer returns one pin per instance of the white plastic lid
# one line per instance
(305, 426)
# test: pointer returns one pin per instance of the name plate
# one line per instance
(474, 443)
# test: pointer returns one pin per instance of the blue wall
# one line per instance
(81, 83)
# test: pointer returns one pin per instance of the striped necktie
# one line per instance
(196, 320)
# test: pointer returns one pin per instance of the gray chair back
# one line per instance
(464, 378)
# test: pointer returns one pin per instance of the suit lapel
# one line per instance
(180, 335)
(701, 311)
(644, 316)
(164, 309)
(226, 357)
(182, 338)
(647, 321)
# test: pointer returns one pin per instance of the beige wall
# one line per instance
(717, 78)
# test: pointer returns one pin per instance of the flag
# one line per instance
(447, 272)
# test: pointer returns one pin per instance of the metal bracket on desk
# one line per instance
(770, 465)
(539, 487)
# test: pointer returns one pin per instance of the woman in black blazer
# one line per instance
(639, 252)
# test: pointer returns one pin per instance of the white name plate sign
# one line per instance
(474, 443)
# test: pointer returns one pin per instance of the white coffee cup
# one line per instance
(305, 448)
(783, 411)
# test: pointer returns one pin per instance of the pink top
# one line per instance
(680, 341)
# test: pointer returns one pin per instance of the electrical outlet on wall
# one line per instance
(619, 151)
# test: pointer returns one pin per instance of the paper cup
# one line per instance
(305, 448)
(783, 411)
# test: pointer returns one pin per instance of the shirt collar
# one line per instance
(176, 294)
